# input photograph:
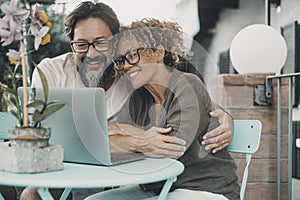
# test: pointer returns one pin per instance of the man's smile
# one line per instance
(96, 63)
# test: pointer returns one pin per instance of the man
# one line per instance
(90, 28)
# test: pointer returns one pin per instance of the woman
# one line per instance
(148, 53)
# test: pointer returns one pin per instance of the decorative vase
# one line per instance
(28, 151)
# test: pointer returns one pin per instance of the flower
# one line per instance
(38, 35)
(14, 56)
(11, 12)
(46, 39)
(17, 25)
(9, 32)
(42, 16)
(12, 23)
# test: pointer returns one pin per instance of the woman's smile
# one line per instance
(133, 74)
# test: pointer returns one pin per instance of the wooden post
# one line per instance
(24, 79)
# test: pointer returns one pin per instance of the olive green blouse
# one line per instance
(186, 109)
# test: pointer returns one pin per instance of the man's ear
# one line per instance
(160, 53)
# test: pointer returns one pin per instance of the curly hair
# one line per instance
(87, 10)
(150, 33)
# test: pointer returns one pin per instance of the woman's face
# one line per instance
(140, 66)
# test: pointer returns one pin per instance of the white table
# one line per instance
(89, 176)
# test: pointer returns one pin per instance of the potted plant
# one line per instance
(28, 149)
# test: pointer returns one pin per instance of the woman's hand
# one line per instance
(153, 143)
(220, 137)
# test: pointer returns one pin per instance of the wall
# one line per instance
(231, 21)
(239, 94)
(262, 177)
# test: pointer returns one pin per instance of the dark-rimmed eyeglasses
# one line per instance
(131, 57)
(83, 47)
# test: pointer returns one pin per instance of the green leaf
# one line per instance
(6, 88)
(53, 102)
(44, 83)
(9, 70)
(14, 107)
(38, 117)
(36, 103)
(18, 116)
(16, 68)
(3, 86)
(13, 99)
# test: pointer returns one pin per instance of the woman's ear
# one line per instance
(160, 53)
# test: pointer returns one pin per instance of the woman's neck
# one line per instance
(157, 88)
(158, 85)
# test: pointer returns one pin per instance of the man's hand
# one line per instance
(152, 143)
(220, 137)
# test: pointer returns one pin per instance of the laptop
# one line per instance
(81, 126)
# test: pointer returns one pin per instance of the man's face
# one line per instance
(92, 63)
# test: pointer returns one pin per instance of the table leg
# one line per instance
(65, 194)
(1, 197)
(164, 191)
(45, 194)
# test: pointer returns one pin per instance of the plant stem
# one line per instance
(24, 79)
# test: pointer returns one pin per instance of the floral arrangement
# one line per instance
(17, 25)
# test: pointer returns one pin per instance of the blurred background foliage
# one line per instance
(59, 43)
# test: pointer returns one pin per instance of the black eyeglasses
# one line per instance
(83, 47)
(131, 57)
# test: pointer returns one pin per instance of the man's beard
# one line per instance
(92, 78)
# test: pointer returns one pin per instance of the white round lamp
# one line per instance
(258, 49)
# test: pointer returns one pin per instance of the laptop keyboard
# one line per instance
(125, 157)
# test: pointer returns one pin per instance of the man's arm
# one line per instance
(221, 136)
(152, 143)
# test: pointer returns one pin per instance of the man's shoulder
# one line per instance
(58, 59)
(191, 76)
(185, 77)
